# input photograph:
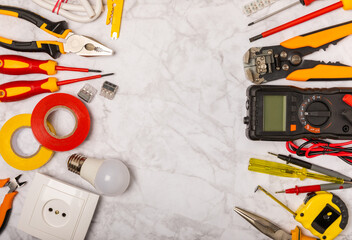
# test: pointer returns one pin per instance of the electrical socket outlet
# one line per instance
(55, 210)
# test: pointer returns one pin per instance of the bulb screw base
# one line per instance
(75, 162)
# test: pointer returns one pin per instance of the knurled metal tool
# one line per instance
(266, 64)
(6, 206)
(270, 229)
(73, 43)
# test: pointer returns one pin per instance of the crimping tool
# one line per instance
(266, 64)
(6, 206)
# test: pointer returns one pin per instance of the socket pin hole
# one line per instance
(50, 209)
(64, 214)
(57, 212)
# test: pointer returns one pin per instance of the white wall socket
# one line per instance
(55, 210)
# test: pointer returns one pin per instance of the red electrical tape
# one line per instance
(48, 105)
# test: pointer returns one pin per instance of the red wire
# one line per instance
(320, 147)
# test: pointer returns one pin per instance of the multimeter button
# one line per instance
(293, 127)
(293, 118)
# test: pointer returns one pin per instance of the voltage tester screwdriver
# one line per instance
(303, 2)
(345, 4)
(19, 90)
(289, 159)
(18, 65)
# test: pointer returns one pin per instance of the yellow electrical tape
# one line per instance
(42, 156)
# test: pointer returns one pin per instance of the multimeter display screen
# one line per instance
(274, 113)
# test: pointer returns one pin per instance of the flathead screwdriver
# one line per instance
(18, 65)
(303, 2)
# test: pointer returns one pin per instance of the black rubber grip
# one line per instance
(51, 49)
(55, 27)
(6, 220)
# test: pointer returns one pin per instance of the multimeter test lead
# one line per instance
(289, 159)
(315, 188)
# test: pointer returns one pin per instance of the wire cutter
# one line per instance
(266, 64)
(269, 229)
(73, 43)
(6, 206)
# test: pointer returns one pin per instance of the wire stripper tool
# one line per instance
(270, 229)
(115, 8)
(266, 64)
(6, 206)
(73, 43)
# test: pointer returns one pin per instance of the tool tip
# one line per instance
(108, 74)
(273, 154)
(255, 38)
(280, 191)
(92, 70)
(250, 24)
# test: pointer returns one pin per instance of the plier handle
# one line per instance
(265, 64)
(6, 205)
(74, 43)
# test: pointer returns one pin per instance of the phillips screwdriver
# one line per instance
(315, 188)
(19, 90)
(345, 4)
(303, 2)
(18, 65)
(289, 159)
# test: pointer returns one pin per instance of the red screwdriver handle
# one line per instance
(19, 90)
(307, 2)
(18, 65)
(305, 189)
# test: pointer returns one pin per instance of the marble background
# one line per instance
(177, 120)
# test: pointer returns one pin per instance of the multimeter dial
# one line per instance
(314, 112)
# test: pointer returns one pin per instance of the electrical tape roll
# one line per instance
(42, 156)
(42, 131)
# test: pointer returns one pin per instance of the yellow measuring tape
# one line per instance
(42, 156)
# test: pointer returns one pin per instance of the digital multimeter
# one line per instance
(282, 113)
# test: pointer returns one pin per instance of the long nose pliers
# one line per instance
(6, 206)
(73, 43)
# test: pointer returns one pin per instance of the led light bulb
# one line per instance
(109, 177)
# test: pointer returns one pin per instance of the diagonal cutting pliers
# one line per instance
(6, 206)
(73, 43)
(266, 64)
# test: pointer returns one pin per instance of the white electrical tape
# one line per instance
(67, 10)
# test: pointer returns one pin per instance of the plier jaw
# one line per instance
(6, 205)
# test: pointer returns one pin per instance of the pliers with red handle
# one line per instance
(6, 206)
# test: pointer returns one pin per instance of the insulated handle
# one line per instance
(3, 182)
(5, 209)
(320, 37)
(19, 90)
(306, 2)
(18, 65)
(57, 29)
(53, 48)
(322, 72)
(297, 235)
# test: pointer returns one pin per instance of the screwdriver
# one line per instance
(316, 188)
(19, 90)
(283, 170)
(303, 2)
(345, 4)
(311, 166)
(18, 65)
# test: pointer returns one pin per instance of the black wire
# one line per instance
(327, 150)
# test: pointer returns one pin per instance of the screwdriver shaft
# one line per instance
(274, 13)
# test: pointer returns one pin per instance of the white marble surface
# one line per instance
(176, 120)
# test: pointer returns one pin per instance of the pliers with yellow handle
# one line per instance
(6, 206)
(73, 43)
(266, 64)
